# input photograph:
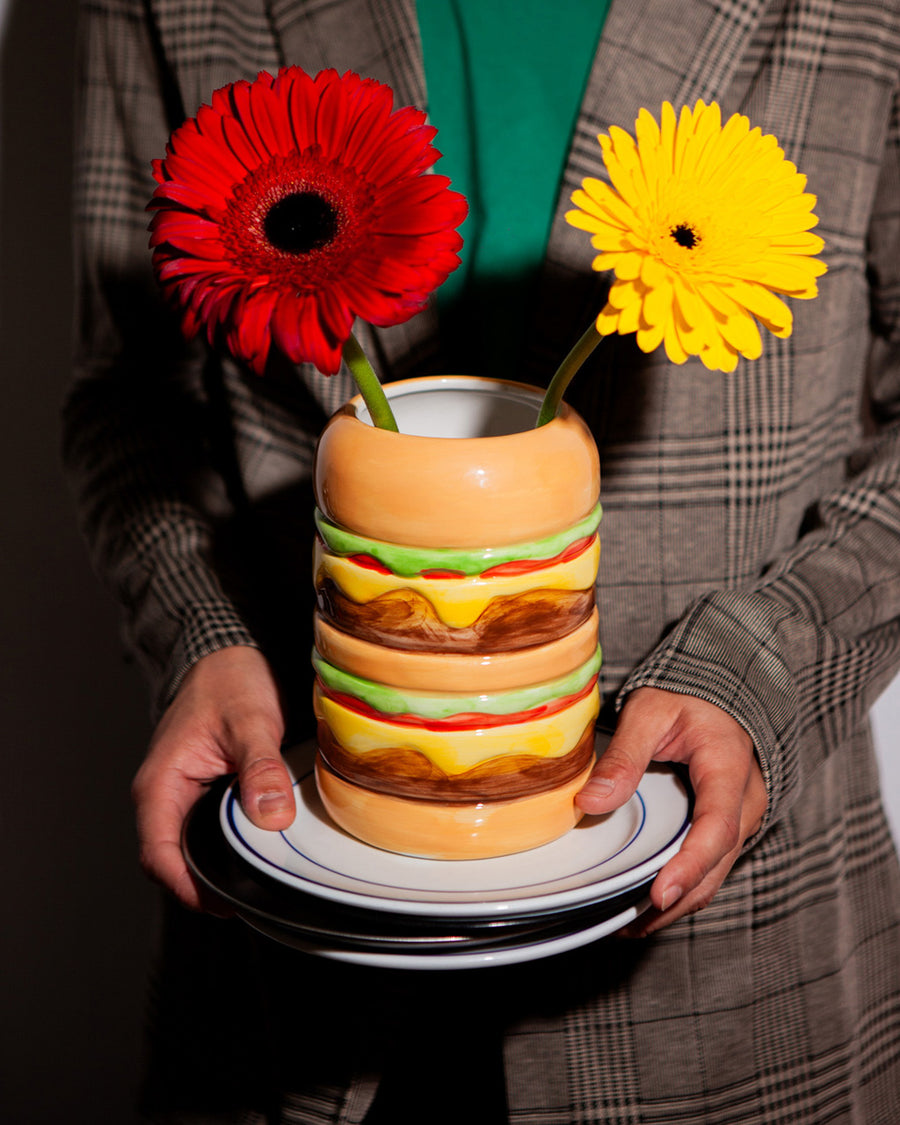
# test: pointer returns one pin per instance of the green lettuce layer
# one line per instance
(410, 561)
(393, 701)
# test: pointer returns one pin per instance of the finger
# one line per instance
(160, 815)
(622, 764)
(715, 830)
(670, 907)
(266, 786)
(700, 897)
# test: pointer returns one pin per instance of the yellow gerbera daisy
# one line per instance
(703, 224)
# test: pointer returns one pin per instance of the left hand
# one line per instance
(729, 792)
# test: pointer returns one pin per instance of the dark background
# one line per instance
(77, 920)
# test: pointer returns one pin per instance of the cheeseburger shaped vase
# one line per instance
(456, 648)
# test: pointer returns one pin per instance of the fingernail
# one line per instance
(271, 802)
(671, 895)
(600, 786)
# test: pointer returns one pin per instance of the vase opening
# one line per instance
(460, 407)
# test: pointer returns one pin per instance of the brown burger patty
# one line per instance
(405, 772)
(405, 619)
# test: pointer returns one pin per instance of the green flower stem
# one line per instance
(568, 369)
(369, 386)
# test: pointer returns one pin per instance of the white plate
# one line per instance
(481, 959)
(602, 856)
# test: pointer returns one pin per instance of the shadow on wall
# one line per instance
(78, 917)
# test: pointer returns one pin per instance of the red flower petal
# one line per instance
(242, 100)
(249, 328)
(235, 137)
(366, 134)
(332, 115)
(200, 169)
(315, 343)
(406, 155)
(302, 103)
(188, 196)
(270, 119)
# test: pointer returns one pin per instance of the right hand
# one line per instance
(226, 718)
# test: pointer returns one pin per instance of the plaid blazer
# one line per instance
(751, 549)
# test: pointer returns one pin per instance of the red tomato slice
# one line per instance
(513, 567)
(465, 720)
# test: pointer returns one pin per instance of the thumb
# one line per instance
(266, 788)
(622, 764)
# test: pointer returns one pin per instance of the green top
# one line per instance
(505, 81)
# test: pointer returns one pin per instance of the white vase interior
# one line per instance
(459, 407)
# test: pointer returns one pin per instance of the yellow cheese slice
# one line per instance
(458, 602)
(459, 750)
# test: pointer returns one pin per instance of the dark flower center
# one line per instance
(300, 222)
(685, 236)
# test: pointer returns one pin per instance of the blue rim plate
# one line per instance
(601, 857)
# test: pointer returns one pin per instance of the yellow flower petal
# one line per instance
(668, 126)
(683, 136)
(623, 293)
(674, 349)
(741, 332)
(628, 267)
(688, 302)
(657, 305)
(651, 154)
(690, 338)
(583, 219)
(762, 302)
(695, 312)
(606, 261)
(607, 321)
(595, 198)
(780, 223)
(616, 241)
(801, 243)
(650, 337)
(653, 272)
(630, 318)
(717, 297)
(719, 357)
(784, 273)
(782, 331)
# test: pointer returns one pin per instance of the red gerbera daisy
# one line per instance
(290, 206)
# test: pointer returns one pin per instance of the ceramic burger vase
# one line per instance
(456, 634)
(456, 652)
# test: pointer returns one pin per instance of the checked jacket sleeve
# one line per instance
(140, 427)
(799, 656)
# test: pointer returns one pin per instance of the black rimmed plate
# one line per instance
(371, 936)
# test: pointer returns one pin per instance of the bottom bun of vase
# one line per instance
(437, 830)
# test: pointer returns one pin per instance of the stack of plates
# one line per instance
(319, 890)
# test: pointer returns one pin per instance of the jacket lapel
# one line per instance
(376, 38)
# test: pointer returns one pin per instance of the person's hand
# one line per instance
(729, 792)
(226, 718)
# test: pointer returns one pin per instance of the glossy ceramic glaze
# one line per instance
(443, 486)
(462, 672)
(456, 632)
(475, 830)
